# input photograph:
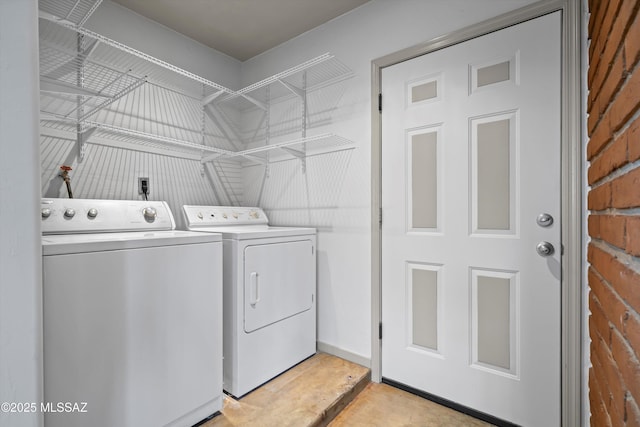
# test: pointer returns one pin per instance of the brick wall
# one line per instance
(614, 218)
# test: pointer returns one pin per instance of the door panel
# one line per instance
(470, 158)
(278, 282)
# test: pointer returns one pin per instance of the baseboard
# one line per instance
(344, 354)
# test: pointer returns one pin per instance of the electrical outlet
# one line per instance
(142, 183)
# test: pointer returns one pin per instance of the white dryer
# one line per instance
(132, 316)
(269, 293)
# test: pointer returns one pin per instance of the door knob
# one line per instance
(545, 249)
(544, 220)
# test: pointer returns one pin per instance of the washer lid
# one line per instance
(79, 243)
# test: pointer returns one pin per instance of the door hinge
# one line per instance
(380, 330)
(380, 102)
(380, 217)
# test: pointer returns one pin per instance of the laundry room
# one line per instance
(278, 135)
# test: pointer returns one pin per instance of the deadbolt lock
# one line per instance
(545, 249)
(544, 220)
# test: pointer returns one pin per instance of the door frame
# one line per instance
(571, 187)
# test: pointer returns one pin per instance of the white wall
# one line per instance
(339, 201)
(20, 248)
(121, 24)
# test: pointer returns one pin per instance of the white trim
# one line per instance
(572, 187)
(344, 354)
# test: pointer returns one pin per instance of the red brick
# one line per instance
(633, 140)
(633, 236)
(625, 190)
(599, 32)
(597, 9)
(631, 331)
(599, 78)
(611, 305)
(594, 117)
(612, 157)
(599, 327)
(595, 54)
(627, 364)
(599, 198)
(610, 377)
(592, 106)
(613, 230)
(632, 43)
(593, 222)
(627, 285)
(599, 415)
(623, 280)
(614, 80)
(616, 21)
(596, 44)
(604, 49)
(600, 137)
(626, 103)
(599, 372)
(632, 413)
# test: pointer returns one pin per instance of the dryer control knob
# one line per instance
(150, 214)
(69, 213)
(254, 214)
(93, 212)
(46, 213)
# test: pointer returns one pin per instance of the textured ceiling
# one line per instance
(241, 28)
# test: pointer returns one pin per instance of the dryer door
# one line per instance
(279, 282)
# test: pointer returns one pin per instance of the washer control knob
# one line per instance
(93, 212)
(200, 216)
(224, 215)
(46, 213)
(150, 214)
(254, 214)
(69, 213)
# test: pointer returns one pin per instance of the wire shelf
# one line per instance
(72, 11)
(320, 71)
(142, 139)
(89, 81)
(293, 149)
(61, 40)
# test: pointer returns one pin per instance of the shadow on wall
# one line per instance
(294, 197)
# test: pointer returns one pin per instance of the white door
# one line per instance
(470, 159)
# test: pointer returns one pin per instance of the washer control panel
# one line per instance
(65, 216)
(214, 216)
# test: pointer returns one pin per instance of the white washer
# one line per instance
(269, 293)
(132, 316)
